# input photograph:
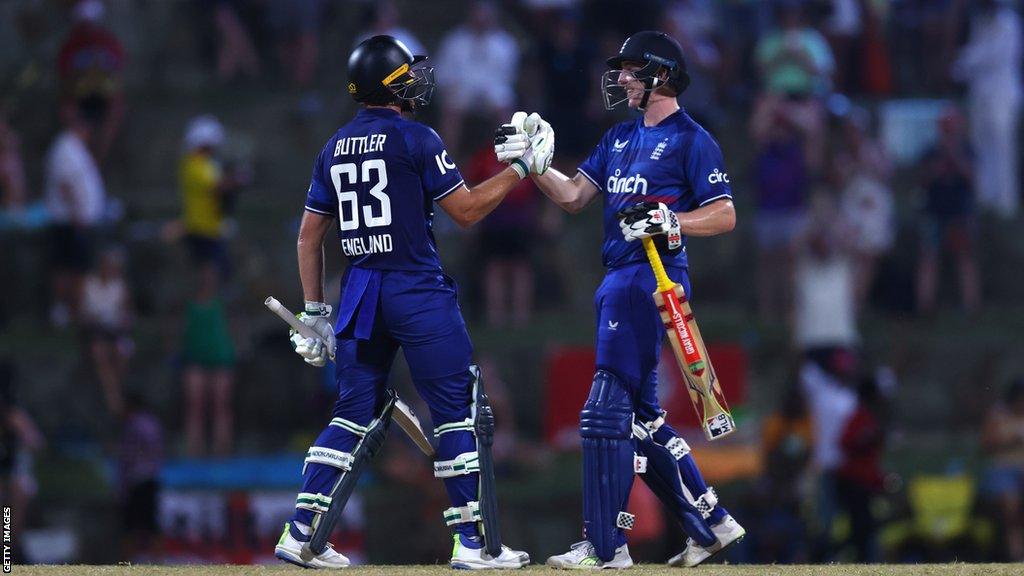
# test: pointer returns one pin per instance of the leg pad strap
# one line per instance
(349, 425)
(465, 463)
(625, 520)
(462, 514)
(328, 457)
(317, 503)
(466, 425)
(707, 502)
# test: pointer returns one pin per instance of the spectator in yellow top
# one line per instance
(205, 190)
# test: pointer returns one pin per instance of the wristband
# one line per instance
(520, 167)
(317, 309)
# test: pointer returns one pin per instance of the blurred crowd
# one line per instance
(864, 136)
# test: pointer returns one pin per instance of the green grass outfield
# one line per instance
(640, 570)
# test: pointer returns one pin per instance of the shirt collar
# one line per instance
(378, 112)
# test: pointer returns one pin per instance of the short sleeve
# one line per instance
(705, 170)
(438, 173)
(593, 168)
(319, 197)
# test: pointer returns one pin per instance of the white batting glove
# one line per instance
(315, 351)
(542, 142)
(527, 142)
(648, 219)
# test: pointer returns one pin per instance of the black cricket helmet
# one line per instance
(382, 71)
(658, 53)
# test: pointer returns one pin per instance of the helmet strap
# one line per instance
(650, 84)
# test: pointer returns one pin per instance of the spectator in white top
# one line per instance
(107, 317)
(825, 378)
(76, 200)
(476, 71)
(825, 307)
(990, 64)
(861, 169)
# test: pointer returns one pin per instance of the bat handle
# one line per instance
(664, 282)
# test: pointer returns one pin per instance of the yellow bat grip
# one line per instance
(664, 282)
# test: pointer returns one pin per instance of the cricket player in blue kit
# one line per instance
(378, 178)
(661, 175)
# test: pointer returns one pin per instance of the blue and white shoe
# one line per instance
(469, 553)
(728, 532)
(583, 556)
(289, 549)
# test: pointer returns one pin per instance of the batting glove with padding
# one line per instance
(648, 219)
(315, 351)
(527, 142)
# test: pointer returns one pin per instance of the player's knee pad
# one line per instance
(662, 475)
(608, 462)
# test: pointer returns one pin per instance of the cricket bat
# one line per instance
(402, 415)
(691, 354)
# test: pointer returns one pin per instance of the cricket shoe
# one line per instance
(583, 556)
(289, 549)
(469, 553)
(727, 532)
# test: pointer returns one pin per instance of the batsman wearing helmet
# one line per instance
(376, 182)
(661, 176)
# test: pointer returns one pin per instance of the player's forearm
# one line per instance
(310, 251)
(311, 271)
(561, 189)
(718, 217)
(485, 197)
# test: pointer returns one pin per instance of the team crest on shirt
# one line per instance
(659, 149)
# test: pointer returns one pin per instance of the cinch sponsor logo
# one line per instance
(630, 185)
(717, 177)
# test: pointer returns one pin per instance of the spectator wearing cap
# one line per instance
(204, 192)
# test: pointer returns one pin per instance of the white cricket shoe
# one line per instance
(728, 532)
(289, 549)
(583, 556)
(469, 553)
